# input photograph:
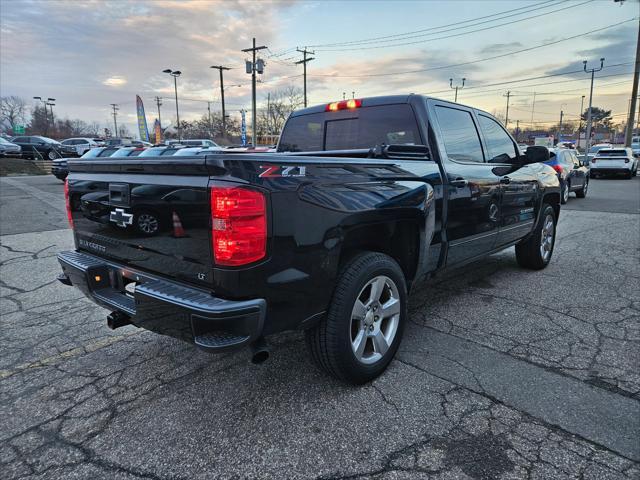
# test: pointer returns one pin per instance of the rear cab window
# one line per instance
(500, 146)
(363, 127)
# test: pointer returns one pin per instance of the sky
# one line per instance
(90, 54)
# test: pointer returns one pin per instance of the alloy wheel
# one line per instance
(148, 223)
(546, 238)
(374, 319)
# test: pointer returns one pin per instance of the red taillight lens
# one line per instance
(238, 225)
(557, 168)
(68, 203)
(343, 105)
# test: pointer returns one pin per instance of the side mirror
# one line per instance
(535, 154)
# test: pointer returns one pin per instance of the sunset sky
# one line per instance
(90, 54)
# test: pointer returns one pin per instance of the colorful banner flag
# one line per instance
(243, 129)
(157, 129)
(142, 120)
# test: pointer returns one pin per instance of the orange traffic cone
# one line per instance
(178, 231)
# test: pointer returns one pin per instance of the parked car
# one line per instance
(60, 169)
(614, 161)
(82, 144)
(572, 173)
(594, 150)
(9, 149)
(635, 146)
(364, 200)
(204, 143)
(570, 145)
(36, 146)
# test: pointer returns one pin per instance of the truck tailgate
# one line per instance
(141, 215)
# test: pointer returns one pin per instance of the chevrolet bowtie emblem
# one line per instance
(120, 217)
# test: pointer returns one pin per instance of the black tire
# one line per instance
(583, 191)
(529, 252)
(52, 154)
(330, 342)
(628, 175)
(564, 192)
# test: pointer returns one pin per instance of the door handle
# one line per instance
(459, 182)
(505, 180)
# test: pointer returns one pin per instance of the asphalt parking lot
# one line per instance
(502, 373)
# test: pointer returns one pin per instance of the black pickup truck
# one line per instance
(363, 200)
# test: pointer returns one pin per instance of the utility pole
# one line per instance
(209, 117)
(506, 116)
(593, 71)
(253, 70)
(634, 94)
(158, 103)
(560, 126)
(220, 68)
(304, 61)
(580, 119)
(456, 87)
(533, 106)
(269, 113)
(517, 130)
(115, 122)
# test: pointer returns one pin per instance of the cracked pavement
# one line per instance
(502, 373)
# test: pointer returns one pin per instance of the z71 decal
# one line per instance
(272, 171)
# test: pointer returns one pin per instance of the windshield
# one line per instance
(94, 152)
(351, 129)
(597, 148)
(123, 152)
(187, 151)
(47, 140)
(2, 140)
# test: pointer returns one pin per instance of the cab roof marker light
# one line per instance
(343, 105)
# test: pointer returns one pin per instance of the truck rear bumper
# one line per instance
(164, 306)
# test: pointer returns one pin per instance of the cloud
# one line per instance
(497, 48)
(115, 81)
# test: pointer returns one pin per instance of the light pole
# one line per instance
(175, 74)
(593, 71)
(46, 113)
(456, 87)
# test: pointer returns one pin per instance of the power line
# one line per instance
(442, 67)
(386, 37)
(511, 22)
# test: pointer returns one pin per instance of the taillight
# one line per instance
(593, 160)
(343, 105)
(626, 160)
(67, 202)
(557, 168)
(238, 225)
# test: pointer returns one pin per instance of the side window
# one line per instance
(499, 144)
(461, 140)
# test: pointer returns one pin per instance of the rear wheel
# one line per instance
(363, 328)
(564, 195)
(583, 191)
(535, 253)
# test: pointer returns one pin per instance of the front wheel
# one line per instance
(53, 154)
(583, 191)
(363, 328)
(535, 253)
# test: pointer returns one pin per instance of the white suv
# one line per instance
(82, 144)
(614, 160)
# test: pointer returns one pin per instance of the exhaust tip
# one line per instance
(259, 351)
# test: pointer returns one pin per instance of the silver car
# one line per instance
(8, 149)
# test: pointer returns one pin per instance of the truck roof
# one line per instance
(373, 102)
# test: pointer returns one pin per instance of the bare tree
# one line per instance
(281, 104)
(12, 111)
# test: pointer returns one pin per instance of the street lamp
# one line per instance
(46, 112)
(175, 74)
